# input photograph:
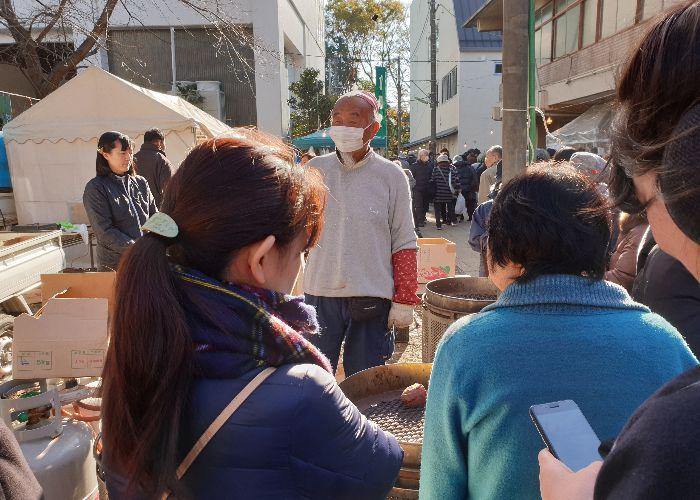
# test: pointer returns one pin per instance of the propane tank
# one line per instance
(58, 450)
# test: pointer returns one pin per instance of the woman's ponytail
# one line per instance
(148, 368)
(228, 193)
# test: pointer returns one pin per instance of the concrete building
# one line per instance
(579, 47)
(244, 70)
(468, 77)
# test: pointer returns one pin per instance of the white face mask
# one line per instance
(348, 139)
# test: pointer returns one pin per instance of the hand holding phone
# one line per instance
(567, 433)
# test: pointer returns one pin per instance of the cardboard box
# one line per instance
(437, 258)
(68, 336)
(79, 286)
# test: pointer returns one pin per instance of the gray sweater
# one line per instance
(367, 220)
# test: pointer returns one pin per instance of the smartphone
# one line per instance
(567, 433)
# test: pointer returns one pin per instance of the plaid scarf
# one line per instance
(237, 328)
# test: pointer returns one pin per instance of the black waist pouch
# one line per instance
(366, 308)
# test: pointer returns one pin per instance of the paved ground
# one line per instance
(467, 259)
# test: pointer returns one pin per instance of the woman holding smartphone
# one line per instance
(656, 168)
(557, 331)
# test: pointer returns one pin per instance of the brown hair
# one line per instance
(227, 194)
(659, 84)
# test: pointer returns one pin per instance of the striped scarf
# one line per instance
(269, 327)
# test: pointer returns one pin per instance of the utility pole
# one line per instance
(515, 86)
(398, 108)
(433, 78)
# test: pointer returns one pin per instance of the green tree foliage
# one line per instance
(405, 128)
(310, 106)
(370, 29)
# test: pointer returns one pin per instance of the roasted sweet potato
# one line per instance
(414, 396)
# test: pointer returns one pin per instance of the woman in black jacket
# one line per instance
(117, 201)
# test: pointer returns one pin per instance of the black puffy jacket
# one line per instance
(117, 207)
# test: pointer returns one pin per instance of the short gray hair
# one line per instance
(497, 150)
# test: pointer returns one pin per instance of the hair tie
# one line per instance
(161, 224)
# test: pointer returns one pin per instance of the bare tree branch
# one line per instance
(61, 70)
(54, 19)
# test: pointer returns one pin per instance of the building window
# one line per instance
(449, 85)
(498, 68)
(590, 22)
(650, 8)
(566, 27)
(543, 34)
(617, 15)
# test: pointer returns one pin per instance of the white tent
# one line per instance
(51, 147)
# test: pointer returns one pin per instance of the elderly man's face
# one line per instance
(357, 113)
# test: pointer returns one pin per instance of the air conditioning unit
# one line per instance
(213, 98)
(497, 113)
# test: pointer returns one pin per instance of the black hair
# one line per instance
(564, 154)
(550, 220)
(107, 142)
(153, 135)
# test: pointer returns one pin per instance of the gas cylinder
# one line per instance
(58, 450)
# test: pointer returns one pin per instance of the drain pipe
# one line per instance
(172, 58)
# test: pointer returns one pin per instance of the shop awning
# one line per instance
(589, 129)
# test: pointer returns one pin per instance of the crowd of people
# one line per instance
(566, 242)
(598, 264)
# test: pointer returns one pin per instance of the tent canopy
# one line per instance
(322, 139)
(590, 128)
(96, 101)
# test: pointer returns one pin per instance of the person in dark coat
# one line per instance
(655, 169)
(466, 179)
(421, 171)
(153, 165)
(203, 307)
(117, 201)
(478, 231)
(446, 180)
(666, 287)
(472, 189)
(17, 482)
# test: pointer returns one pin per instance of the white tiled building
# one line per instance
(468, 77)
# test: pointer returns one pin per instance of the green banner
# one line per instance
(5, 109)
(380, 93)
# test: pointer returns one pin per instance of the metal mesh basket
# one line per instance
(448, 299)
(435, 324)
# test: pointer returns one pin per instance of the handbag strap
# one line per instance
(219, 421)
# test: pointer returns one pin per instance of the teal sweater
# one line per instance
(556, 337)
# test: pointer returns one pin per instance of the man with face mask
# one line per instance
(362, 276)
